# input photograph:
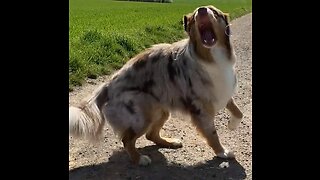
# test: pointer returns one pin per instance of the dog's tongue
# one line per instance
(207, 37)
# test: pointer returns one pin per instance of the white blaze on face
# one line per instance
(204, 18)
(209, 11)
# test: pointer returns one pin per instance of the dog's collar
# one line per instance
(175, 55)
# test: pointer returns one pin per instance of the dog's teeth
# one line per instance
(205, 41)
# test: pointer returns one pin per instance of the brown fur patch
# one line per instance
(129, 140)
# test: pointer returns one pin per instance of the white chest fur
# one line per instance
(223, 78)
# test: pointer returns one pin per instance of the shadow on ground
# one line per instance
(119, 167)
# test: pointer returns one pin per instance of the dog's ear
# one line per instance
(226, 18)
(186, 20)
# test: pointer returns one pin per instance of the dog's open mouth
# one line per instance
(207, 33)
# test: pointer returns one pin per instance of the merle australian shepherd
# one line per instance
(195, 76)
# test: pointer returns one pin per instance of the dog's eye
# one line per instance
(215, 13)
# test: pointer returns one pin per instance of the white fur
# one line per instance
(85, 122)
(176, 142)
(222, 74)
(209, 11)
(74, 114)
(226, 154)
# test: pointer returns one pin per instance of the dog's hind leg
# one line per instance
(131, 117)
(236, 115)
(153, 133)
(129, 141)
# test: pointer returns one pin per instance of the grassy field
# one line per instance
(104, 34)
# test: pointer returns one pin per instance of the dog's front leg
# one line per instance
(236, 114)
(204, 124)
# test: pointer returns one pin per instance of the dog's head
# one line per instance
(207, 26)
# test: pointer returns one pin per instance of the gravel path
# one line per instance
(195, 160)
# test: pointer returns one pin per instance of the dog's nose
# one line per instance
(202, 11)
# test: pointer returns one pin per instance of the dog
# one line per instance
(195, 76)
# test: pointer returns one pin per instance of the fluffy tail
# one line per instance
(86, 120)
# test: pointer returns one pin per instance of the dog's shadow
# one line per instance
(119, 167)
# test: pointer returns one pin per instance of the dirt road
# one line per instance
(195, 160)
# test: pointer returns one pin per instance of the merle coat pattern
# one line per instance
(195, 76)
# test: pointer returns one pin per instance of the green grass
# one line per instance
(104, 34)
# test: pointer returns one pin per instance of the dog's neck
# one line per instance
(203, 53)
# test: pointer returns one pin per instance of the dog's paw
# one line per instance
(172, 143)
(226, 155)
(234, 123)
(176, 143)
(144, 160)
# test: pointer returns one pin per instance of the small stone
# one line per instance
(224, 165)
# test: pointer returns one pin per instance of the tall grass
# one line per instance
(104, 34)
